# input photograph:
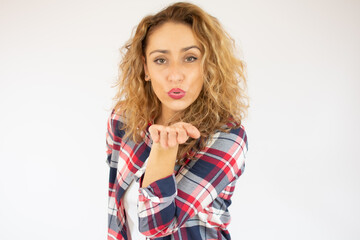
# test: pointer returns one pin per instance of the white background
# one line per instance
(58, 61)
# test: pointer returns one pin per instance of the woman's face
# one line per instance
(173, 66)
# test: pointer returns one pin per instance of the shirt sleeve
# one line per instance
(115, 212)
(113, 138)
(109, 140)
(166, 204)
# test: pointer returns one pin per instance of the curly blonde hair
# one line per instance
(222, 102)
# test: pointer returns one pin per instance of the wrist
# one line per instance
(160, 164)
(163, 156)
(157, 147)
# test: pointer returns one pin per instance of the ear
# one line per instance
(147, 77)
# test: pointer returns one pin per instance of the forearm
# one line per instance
(160, 164)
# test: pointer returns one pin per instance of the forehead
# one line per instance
(171, 36)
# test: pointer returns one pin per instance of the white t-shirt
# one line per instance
(131, 196)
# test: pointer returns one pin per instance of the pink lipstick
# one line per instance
(176, 93)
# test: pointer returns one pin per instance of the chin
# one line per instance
(178, 107)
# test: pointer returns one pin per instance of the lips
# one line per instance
(176, 93)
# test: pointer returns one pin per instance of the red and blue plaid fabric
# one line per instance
(192, 203)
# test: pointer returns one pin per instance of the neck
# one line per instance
(166, 120)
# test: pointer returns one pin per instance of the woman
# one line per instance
(175, 141)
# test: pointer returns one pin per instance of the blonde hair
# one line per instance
(222, 102)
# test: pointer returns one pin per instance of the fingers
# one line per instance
(181, 135)
(191, 130)
(164, 138)
(170, 136)
(154, 133)
(161, 134)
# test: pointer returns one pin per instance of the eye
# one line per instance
(160, 61)
(191, 59)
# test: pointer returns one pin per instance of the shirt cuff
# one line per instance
(162, 190)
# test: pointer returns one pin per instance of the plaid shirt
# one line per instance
(191, 203)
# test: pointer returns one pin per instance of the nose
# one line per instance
(175, 73)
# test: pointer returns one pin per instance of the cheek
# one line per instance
(157, 88)
(196, 89)
(199, 78)
(199, 83)
(200, 87)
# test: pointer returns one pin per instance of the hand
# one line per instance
(170, 136)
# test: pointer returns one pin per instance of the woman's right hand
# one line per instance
(173, 135)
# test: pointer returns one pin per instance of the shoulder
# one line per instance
(225, 140)
(223, 155)
(225, 146)
(116, 124)
(227, 149)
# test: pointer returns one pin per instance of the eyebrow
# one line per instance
(167, 51)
